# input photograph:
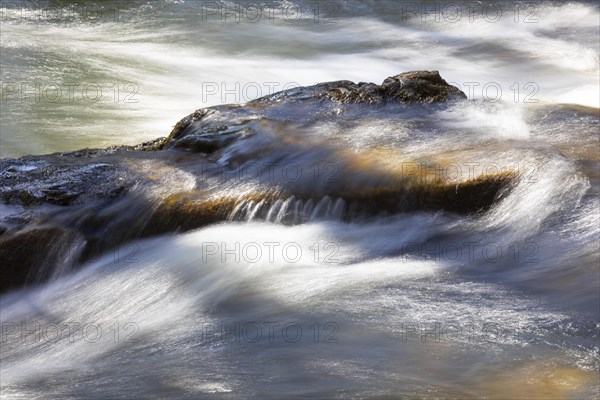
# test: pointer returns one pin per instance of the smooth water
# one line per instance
(286, 299)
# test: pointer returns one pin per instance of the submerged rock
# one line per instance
(30, 255)
(95, 200)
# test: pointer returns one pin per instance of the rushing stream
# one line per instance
(297, 297)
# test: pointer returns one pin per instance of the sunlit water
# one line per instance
(286, 299)
(128, 71)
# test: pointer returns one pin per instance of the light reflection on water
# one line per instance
(386, 307)
(123, 81)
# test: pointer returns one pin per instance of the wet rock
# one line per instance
(310, 102)
(29, 256)
(409, 87)
(151, 145)
(208, 141)
(418, 86)
(105, 226)
(180, 127)
(200, 144)
(191, 210)
(185, 211)
(471, 196)
(105, 198)
(421, 86)
(58, 180)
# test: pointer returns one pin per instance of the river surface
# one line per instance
(290, 301)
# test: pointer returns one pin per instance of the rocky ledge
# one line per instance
(67, 208)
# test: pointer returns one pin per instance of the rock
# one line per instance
(185, 211)
(96, 200)
(210, 141)
(418, 86)
(424, 87)
(29, 256)
(471, 196)
(61, 180)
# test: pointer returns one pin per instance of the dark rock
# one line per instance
(185, 211)
(61, 180)
(96, 200)
(31, 254)
(423, 87)
(418, 86)
(179, 128)
(209, 141)
(472, 196)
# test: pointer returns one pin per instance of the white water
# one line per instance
(401, 304)
(415, 305)
(177, 290)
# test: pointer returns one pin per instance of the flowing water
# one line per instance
(287, 298)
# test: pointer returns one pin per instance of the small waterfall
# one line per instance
(238, 211)
(68, 259)
(283, 210)
(337, 211)
(60, 257)
(273, 211)
(322, 209)
(306, 210)
(297, 209)
(290, 211)
(253, 210)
